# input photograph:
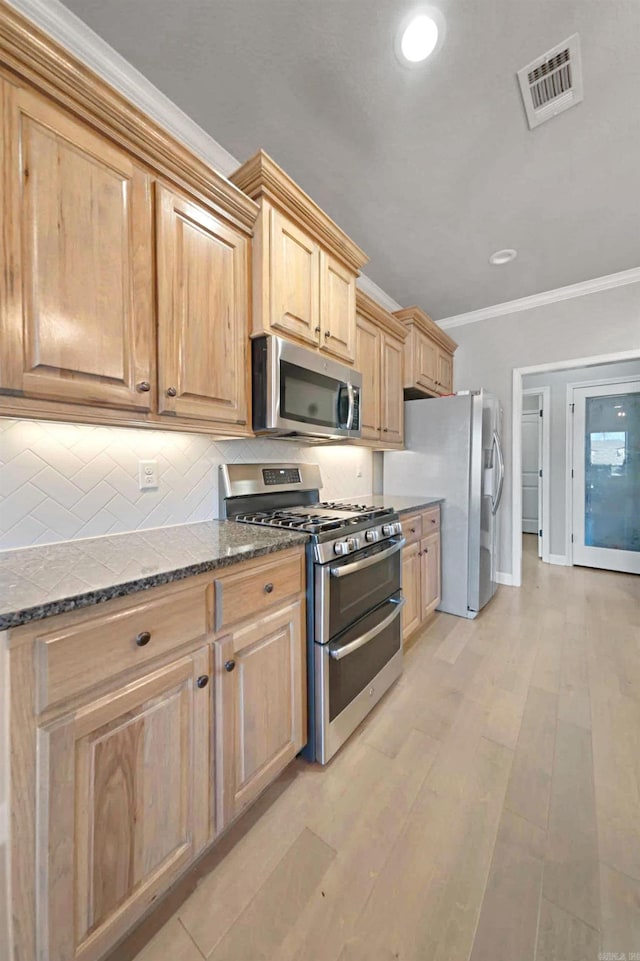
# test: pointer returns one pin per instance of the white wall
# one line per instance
(605, 322)
(558, 380)
(65, 481)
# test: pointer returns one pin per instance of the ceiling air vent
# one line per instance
(553, 82)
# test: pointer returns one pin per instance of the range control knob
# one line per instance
(372, 536)
(389, 529)
(341, 547)
(353, 543)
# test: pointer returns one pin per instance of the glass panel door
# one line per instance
(606, 482)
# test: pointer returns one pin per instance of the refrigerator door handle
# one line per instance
(498, 449)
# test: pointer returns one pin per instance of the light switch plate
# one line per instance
(147, 474)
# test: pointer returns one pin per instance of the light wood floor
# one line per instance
(488, 810)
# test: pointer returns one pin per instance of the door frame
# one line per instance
(515, 579)
(569, 433)
(544, 490)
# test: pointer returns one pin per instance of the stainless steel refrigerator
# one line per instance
(454, 451)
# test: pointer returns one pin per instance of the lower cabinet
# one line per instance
(125, 804)
(261, 725)
(420, 570)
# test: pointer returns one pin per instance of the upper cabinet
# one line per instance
(428, 355)
(77, 321)
(109, 314)
(304, 266)
(379, 356)
(203, 290)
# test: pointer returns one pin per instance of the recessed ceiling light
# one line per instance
(419, 38)
(501, 257)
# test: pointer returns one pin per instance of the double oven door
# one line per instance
(358, 639)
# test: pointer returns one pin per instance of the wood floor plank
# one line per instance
(171, 942)
(529, 787)
(321, 930)
(620, 897)
(508, 924)
(563, 937)
(571, 871)
(263, 925)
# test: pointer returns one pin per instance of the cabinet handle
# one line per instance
(229, 666)
(171, 392)
(143, 387)
(143, 638)
(268, 588)
(202, 681)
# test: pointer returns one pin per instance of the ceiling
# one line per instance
(432, 168)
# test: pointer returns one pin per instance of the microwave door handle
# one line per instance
(352, 405)
(367, 561)
(339, 652)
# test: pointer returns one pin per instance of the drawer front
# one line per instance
(77, 658)
(411, 528)
(430, 521)
(243, 594)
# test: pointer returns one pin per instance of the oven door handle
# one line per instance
(367, 561)
(339, 652)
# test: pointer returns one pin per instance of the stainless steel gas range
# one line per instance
(354, 596)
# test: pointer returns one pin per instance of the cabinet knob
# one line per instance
(203, 680)
(268, 588)
(171, 392)
(143, 638)
(143, 387)
(317, 330)
(385, 430)
(412, 529)
(229, 666)
(426, 550)
(327, 333)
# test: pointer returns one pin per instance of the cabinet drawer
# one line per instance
(245, 593)
(84, 655)
(430, 521)
(411, 527)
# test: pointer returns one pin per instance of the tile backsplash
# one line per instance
(64, 481)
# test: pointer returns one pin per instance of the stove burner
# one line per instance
(322, 517)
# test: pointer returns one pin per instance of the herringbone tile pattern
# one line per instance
(64, 481)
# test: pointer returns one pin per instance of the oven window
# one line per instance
(353, 673)
(354, 594)
(312, 398)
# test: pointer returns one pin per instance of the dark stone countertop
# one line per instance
(37, 582)
(403, 505)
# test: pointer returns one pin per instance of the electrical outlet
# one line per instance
(358, 472)
(147, 474)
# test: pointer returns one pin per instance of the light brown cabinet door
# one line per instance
(392, 391)
(203, 285)
(445, 372)
(261, 705)
(125, 803)
(294, 280)
(426, 362)
(337, 309)
(368, 341)
(76, 312)
(430, 548)
(411, 589)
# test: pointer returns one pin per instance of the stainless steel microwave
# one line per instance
(298, 393)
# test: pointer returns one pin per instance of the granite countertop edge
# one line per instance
(420, 504)
(63, 605)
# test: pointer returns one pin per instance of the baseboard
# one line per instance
(560, 559)
(506, 579)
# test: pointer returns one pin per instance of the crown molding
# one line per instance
(377, 293)
(75, 36)
(371, 310)
(416, 317)
(261, 178)
(620, 279)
